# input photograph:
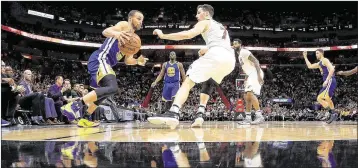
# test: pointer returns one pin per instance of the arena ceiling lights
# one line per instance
(40, 14)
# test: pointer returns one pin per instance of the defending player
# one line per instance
(217, 61)
(100, 65)
(172, 70)
(329, 82)
(255, 79)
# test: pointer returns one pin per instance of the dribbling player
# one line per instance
(171, 71)
(100, 65)
(254, 81)
(216, 61)
(329, 82)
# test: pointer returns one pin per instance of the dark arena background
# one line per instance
(45, 46)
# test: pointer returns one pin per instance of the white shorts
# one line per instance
(217, 63)
(252, 84)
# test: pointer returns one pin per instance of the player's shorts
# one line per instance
(170, 90)
(252, 84)
(217, 63)
(98, 69)
(328, 91)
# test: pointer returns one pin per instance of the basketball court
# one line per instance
(128, 142)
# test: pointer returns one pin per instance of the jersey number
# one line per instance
(223, 28)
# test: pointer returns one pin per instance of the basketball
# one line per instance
(131, 46)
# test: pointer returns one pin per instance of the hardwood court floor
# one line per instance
(214, 131)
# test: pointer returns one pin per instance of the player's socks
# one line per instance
(86, 116)
(333, 116)
(201, 108)
(198, 120)
(175, 108)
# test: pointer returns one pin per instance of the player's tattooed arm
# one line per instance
(257, 67)
(348, 73)
(308, 63)
(199, 28)
(182, 71)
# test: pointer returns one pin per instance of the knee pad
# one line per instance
(113, 89)
(208, 86)
(110, 82)
(108, 87)
(99, 101)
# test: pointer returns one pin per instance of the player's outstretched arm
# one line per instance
(308, 63)
(189, 34)
(160, 76)
(348, 73)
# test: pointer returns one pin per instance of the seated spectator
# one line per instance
(32, 101)
(50, 111)
(70, 95)
(7, 105)
(76, 88)
(56, 93)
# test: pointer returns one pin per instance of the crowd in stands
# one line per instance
(248, 14)
(55, 51)
(149, 40)
(283, 81)
(172, 13)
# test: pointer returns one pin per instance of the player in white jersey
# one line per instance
(216, 61)
(254, 81)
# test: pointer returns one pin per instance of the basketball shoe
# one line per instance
(247, 120)
(198, 121)
(85, 123)
(169, 118)
(333, 117)
(259, 118)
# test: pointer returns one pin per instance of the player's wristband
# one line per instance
(137, 61)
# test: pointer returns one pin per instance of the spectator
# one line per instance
(50, 111)
(31, 100)
(69, 95)
(56, 93)
(9, 104)
(76, 89)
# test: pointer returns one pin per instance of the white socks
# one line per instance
(201, 108)
(175, 108)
